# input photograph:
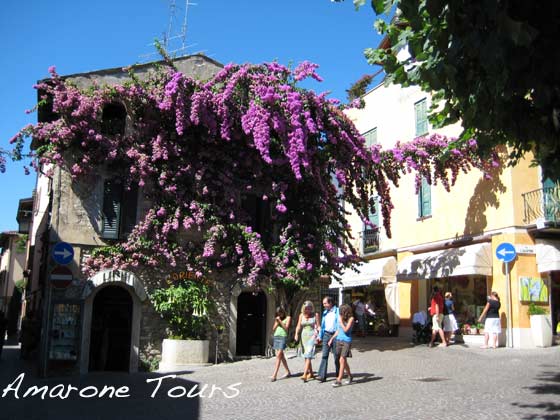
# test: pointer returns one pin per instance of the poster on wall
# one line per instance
(533, 289)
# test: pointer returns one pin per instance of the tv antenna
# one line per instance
(175, 44)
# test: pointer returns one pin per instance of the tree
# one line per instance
(492, 64)
(201, 149)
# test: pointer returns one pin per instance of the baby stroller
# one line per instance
(422, 328)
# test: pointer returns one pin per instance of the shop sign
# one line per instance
(525, 249)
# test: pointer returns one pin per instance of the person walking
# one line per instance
(449, 321)
(329, 326)
(436, 311)
(343, 337)
(280, 334)
(3, 325)
(492, 323)
(360, 311)
(308, 324)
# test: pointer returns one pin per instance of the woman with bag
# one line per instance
(308, 324)
(280, 333)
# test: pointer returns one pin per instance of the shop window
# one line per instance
(424, 199)
(469, 295)
(119, 209)
(421, 117)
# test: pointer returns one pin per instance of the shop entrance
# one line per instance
(111, 326)
(555, 300)
(251, 324)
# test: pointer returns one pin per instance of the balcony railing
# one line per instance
(542, 204)
(370, 240)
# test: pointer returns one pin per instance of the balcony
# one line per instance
(370, 241)
(542, 206)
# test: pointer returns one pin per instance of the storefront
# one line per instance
(374, 282)
(466, 272)
(548, 261)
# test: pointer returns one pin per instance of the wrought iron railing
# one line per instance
(542, 204)
(370, 240)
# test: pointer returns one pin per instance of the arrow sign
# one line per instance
(506, 252)
(63, 253)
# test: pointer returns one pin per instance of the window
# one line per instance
(371, 137)
(424, 199)
(119, 209)
(113, 119)
(370, 234)
(258, 213)
(421, 115)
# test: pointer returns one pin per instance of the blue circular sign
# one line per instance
(506, 252)
(63, 253)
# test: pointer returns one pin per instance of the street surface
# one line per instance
(393, 380)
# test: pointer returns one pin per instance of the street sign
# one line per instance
(506, 252)
(61, 277)
(63, 253)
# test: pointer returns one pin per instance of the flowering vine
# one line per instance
(202, 150)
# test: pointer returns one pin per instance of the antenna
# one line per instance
(170, 40)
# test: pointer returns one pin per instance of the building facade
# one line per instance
(450, 239)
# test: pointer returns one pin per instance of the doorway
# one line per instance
(111, 327)
(251, 324)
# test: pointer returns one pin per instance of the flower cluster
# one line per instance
(215, 157)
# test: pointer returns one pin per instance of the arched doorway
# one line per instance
(251, 324)
(111, 327)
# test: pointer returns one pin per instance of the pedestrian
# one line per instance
(436, 311)
(280, 333)
(343, 338)
(308, 324)
(3, 325)
(492, 323)
(329, 326)
(449, 321)
(360, 312)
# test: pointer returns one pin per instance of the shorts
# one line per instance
(437, 321)
(492, 326)
(343, 348)
(450, 323)
(279, 343)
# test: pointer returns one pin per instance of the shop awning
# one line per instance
(548, 255)
(467, 260)
(381, 270)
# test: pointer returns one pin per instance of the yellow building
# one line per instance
(450, 239)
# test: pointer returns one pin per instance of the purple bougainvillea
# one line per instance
(199, 149)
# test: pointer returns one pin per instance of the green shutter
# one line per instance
(421, 115)
(425, 199)
(129, 210)
(371, 137)
(112, 193)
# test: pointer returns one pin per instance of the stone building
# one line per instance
(107, 322)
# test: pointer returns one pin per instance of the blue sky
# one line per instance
(80, 36)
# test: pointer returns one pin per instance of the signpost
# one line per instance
(61, 277)
(506, 253)
(63, 253)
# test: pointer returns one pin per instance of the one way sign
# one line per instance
(506, 252)
(63, 253)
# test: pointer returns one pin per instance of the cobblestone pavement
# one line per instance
(393, 380)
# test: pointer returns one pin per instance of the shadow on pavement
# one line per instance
(381, 344)
(99, 395)
(549, 384)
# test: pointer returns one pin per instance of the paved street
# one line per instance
(393, 381)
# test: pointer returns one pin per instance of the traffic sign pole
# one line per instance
(508, 304)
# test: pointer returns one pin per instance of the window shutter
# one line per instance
(112, 193)
(129, 210)
(421, 115)
(425, 199)
(371, 137)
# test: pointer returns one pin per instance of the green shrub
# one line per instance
(536, 310)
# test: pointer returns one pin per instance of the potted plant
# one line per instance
(185, 305)
(480, 328)
(541, 325)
